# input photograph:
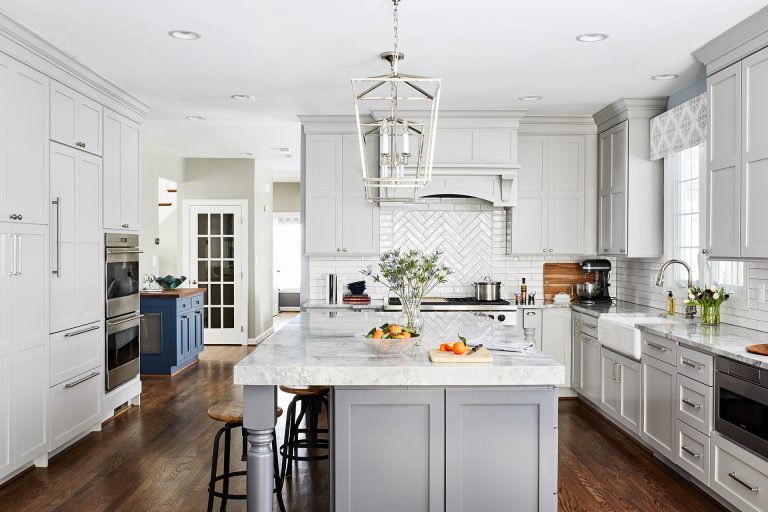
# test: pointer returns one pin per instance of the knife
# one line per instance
(474, 349)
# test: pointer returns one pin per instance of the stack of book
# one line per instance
(357, 298)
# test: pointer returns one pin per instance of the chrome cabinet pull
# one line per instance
(81, 331)
(589, 325)
(18, 253)
(80, 381)
(690, 452)
(690, 404)
(742, 482)
(657, 347)
(12, 272)
(529, 313)
(57, 203)
(118, 322)
(696, 366)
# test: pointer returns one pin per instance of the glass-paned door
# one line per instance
(216, 259)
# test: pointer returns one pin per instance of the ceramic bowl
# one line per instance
(169, 282)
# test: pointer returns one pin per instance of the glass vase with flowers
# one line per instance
(710, 300)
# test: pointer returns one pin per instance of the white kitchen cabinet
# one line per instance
(75, 407)
(556, 337)
(121, 167)
(75, 119)
(738, 475)
(591, 373)
(659, 406)
(550, 215)
(631, 197)
(76, 239)
(338, 218)
(6, 396)
(23, 143)
(621, 389)
(576, 352)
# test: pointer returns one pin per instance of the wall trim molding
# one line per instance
(560, 125)
(736, 43)
(625, 108)
(261, 337)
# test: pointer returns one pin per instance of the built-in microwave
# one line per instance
(741, 404)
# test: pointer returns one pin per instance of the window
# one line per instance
(684, 172)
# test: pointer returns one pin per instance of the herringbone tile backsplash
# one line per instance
(471, 234)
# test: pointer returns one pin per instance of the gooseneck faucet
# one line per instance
(690, 310)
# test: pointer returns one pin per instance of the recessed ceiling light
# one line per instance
(196, 118)
(186, 35)
(244, 153)
(665, 76)
(242, 97)
(591, 38)
(529, 98)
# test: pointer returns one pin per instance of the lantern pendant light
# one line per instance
(403, 140)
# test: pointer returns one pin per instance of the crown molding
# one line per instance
(739, 41)
(628, 108)
(22, 43)
(554, 124)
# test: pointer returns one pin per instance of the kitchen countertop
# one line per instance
(376, 304)
(174, 294)
(595, 310)
(320, 349)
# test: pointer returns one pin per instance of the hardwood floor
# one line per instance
(157, 458)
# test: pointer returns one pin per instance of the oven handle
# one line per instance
(125, 320)
(124, 251)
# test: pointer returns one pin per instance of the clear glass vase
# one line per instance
(412, 318)
(710, 314)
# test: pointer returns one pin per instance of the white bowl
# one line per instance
(389, 345)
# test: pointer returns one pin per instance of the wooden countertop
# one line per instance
(173, 294)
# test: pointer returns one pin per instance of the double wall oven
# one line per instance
(122, 308)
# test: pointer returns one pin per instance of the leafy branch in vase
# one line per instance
(410, 274)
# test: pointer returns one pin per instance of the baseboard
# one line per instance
(130, 392)
(284, 309)
(261, 337)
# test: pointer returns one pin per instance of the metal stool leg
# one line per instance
(289, 418)
(278, 480)
(227, 445)
(214, 466)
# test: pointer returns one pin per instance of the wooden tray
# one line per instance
(760, 349)
(481, 356)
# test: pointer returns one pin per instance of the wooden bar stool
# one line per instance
(311, 400)
(231, 414)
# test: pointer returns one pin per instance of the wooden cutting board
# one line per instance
(563, 277)
(760, 349)
(481, 356)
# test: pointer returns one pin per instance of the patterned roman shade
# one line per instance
(679, 128)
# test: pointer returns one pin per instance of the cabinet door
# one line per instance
(489, 476)
(556, 338)
(75, 407)
(658, 394)
(130, 175)
(112, 196)
(360, 218)
(610, 371)
(619, 167)
(182, 337)
(28, 331)
(724, 163)
(5, 73)
(64, 107)
(754, 147)
(605, 240)
(375, 431)
(576, 352)
(566, 195)
(591, 374)
(529, 219)
(89, 292)
(198, 335)
(27, 150)
(89, 115)
(6, 411)
(630, 406)
(323, 194)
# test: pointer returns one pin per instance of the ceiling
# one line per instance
(297, 56)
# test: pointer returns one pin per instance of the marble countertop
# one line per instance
(376, 304)
(319, 348)
(596, 310)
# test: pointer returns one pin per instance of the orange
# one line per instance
(395, 329)
(406, 334)
(459, 348)
(377, 334)
(444, 347)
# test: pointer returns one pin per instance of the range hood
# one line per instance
(496, 185)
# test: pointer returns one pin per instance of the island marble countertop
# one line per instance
(320, 348)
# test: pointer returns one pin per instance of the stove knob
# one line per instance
(491, 317)
(502, 318)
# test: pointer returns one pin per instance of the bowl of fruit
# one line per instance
(389, 339)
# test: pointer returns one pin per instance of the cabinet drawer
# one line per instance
(184, 304)
(739, 476)
(75, 351)
(694, 404)
(197, 301)
(589, 325)
(75, 407)
(695, 365)
(660, 348)
(692, 452)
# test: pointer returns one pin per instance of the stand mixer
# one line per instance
(595, 292)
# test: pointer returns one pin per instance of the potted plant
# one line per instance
(710, 300)
(411, 275)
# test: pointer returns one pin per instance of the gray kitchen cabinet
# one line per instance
(338, 218)
(659, 406)
(621, 389)
(576, 352)
(482, 474)
(591, 375)
(76, 120)
(556, 337)
(395, 436)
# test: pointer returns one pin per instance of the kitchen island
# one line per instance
(408, 434)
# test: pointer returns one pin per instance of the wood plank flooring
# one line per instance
(156, 457)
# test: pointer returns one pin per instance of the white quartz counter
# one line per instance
(319, 348)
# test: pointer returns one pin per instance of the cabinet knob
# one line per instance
(338, 249)
(705, 251)
(621, 251)
(13, 216)
(19, 217)
(544, 250)
(550, 250)
(344, 250)
(605, 250)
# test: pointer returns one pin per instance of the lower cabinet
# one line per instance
(620, 394)
(659, 406)
(556, 337)
(452, 450)
(738, 475)
(692, 451)
(590, 367)
(576, 352)
(171, 332)
(75, 407)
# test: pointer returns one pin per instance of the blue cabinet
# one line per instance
(172, 330)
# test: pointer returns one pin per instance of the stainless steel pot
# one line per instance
(588, 290)
(487, 290)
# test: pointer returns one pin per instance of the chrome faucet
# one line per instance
(690, 310)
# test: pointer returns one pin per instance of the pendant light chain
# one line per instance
(395, 36)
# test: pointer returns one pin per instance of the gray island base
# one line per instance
(407, 434)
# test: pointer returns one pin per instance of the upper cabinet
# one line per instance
(339, 220)
(121, 172)
(75, 119)
(631, 203)
(550, 216)
(23, 143)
